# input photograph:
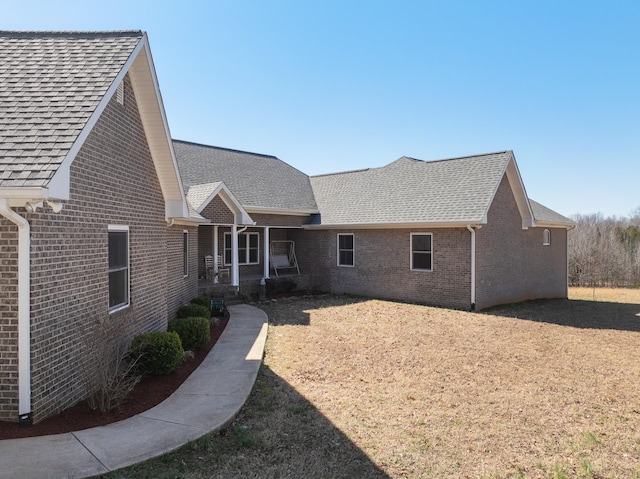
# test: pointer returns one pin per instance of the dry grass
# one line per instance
(366, 388)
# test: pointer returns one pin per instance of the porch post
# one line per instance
(215, 250)
(267, 256)
(235, 270)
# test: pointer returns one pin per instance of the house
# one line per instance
(94, 224)
(458, 233)
(104, 219)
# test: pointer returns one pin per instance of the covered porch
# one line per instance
(230, 254)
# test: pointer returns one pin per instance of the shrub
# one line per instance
(160, 352)
(108, 370)
(202, 301)
(194, 311)
(194, 332)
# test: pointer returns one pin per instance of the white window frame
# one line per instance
(352, 249)
(247, 250)
(546, 237)
(412, 252)
(127, 268)
(185, 253)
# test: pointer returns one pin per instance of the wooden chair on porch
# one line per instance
(208, 266)
(221, 269)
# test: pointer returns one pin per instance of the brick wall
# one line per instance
(8, 320)
(113, 182)
(181, 289)
(383, 269)
(278, 220)
(512, 264)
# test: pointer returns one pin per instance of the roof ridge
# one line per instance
(455, 157)
(225, 149)
(341, 172)
(70, 33)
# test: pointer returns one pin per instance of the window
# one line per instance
(185, 253)
(421, 252)
(118, 267)
(346, 249)
(546, 237)
(248, 248)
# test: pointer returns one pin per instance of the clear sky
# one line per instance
(338, 85)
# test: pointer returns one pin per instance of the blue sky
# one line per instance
(338, 85)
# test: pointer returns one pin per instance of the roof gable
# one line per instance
(55, 86)
(261, 183)
(199, 196)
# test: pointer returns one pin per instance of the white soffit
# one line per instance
(149, 99)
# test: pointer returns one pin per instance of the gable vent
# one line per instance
(120, 93)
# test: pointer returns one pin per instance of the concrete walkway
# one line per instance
(207, 401)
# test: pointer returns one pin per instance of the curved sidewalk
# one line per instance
(207, 401)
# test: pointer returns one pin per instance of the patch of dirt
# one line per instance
(150, 392)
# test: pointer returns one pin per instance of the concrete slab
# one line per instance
(135, 440)
(56, 456)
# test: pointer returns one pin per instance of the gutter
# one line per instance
(473, 267)
(24, 311)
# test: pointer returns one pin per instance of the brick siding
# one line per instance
(512, 264)
(383, 268)
(113, 182)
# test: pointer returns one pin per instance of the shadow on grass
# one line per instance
(575, 313)
(277, 433)
(295, 311)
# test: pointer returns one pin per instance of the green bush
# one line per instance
(194, 311)
(194, 332)
(160, 352)
(202, 301)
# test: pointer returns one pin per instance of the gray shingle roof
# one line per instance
(50, 84)
(255, 180)
(543, 214)
(411, 191)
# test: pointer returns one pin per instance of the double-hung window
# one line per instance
(248, 248)
(421, 251)
(346, 249)
(118, 267)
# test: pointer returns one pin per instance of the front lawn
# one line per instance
(366, 388)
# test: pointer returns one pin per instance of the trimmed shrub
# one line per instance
(202, 301)
(160, 352)
(194, 311)
(194, 332)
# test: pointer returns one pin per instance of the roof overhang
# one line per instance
(373, 226)
(278, 211)
(147, 92)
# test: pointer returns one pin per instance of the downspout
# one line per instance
(24, 312)
(473, 267)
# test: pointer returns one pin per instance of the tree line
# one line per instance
(605, 251)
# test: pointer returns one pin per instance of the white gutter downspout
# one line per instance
(24, 311)
(473, 267)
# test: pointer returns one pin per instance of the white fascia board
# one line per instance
(520, 193)
(379, 226)
(187, 221)
(555, 224)
(239, 213)
(17, 196)
(156, 127)
(279, 211)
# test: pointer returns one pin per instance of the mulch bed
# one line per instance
(147, 394)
